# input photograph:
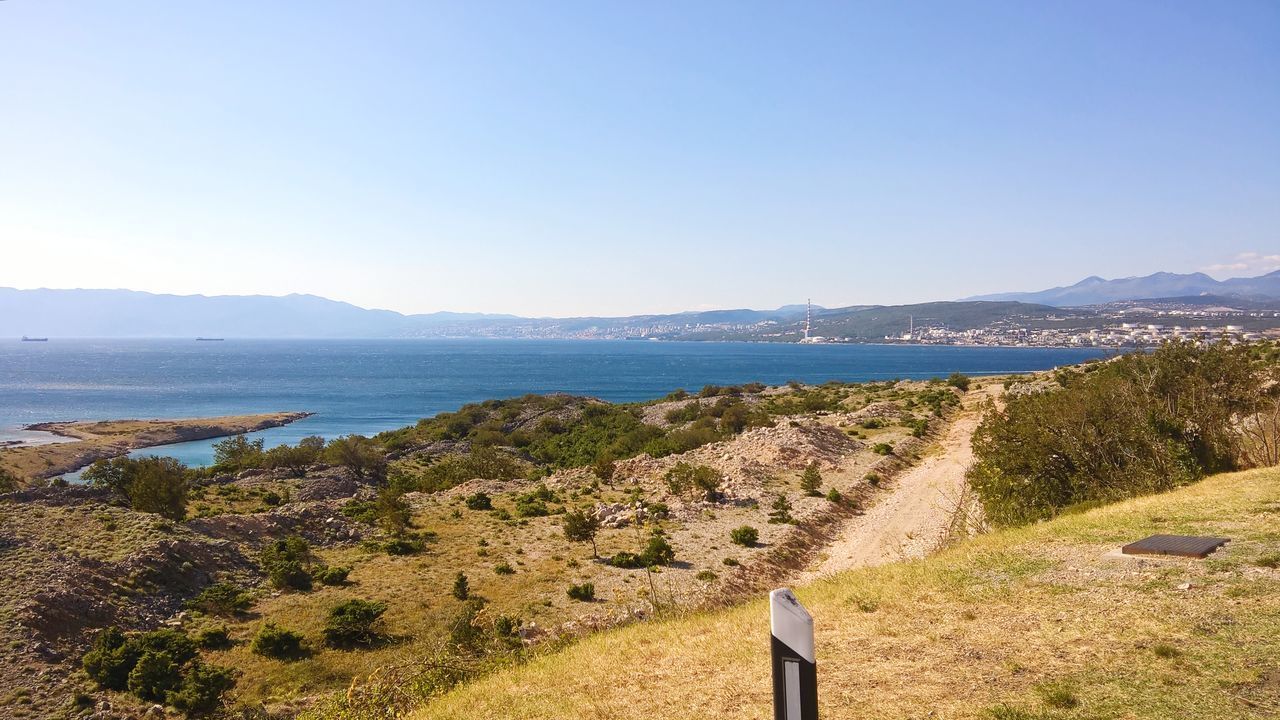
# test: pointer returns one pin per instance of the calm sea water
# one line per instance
(363, 386)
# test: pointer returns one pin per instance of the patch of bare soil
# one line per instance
(916, 516)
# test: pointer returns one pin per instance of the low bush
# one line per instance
(745, 536)
(214, 638)
(586, 592)
(882, 449)
(277, 643)
(404, 545)
(222, 598)
(479, 501)
(159, 666)
(352, 623)
(202, 688)
(287, 563)
(333, 574)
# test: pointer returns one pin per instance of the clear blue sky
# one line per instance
(620, 157)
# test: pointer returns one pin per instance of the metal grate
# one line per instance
(1180, 545)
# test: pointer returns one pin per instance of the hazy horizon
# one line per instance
(569, 159)
(464, 311)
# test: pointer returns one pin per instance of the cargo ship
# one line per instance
(34, 339)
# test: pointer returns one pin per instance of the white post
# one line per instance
(795, 672)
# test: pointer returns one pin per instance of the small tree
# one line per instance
(781, 511)
(604, 467)
(811, 480)
(360, 455)
(657, 552)
(959, 381)
(683, 477)
(351, 623)
(461, 588)
(238, 453)
(582, 526)
(150, 484)
(392, 512)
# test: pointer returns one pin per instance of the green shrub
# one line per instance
(582, 526)
(277, 643)
(333, 574)
(504, 569)
(705, 576)
(684, 477)
(586, 592)
(461, 587)
(745, 536)
(882, 449)
(214, 638)
(352, 623)
(959, 381)
(150, 484)
(479, 501)
(624, 559)
(465, 633)
(730, 562)
(221, 598)
(833, 495)
(403, 546)
(154, 675)
(657, 552)
(873, 479)
(110, 659)
(287, 563)
(1144, 423)
(169, 641)
(202, 688)
(359, 454)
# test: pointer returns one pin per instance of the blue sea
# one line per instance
(366, 386)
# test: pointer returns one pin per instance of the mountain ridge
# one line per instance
(1095, 290)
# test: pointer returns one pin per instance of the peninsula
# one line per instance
(93, 441)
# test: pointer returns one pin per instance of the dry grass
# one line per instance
(1033, 623)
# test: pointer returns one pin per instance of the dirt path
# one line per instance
(911, 519)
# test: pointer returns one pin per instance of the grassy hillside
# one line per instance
(1037, 622)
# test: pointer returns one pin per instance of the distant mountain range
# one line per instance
(1096, 291)
(128, 313)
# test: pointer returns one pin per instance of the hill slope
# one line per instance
(1038, 622)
